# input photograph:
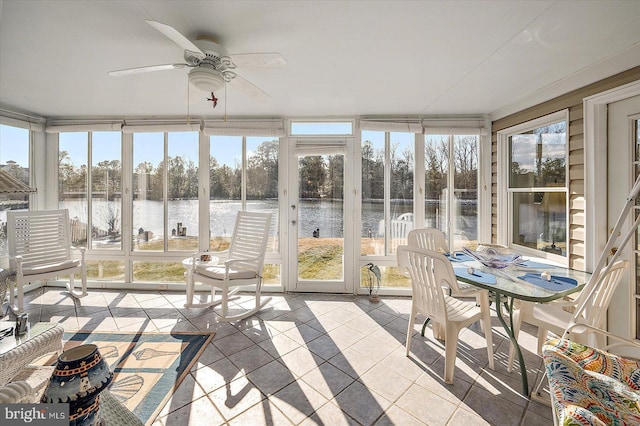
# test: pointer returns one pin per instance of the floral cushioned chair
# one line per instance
(590, 386)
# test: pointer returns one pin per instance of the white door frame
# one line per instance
(595, 109)
(595, 132)
(319, 145)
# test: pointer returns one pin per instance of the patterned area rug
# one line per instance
(147, 367)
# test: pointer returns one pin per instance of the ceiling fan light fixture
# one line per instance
(206, 79)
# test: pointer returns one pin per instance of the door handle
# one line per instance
(293, 206)
(293, 222)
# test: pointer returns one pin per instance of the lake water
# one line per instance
(325, 215)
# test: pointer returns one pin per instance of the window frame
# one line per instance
(30, 166)
(419, 184)
(505, 192)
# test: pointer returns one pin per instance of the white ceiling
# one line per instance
(364, 58)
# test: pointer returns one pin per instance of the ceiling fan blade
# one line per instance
(149, 68)
(177, 38)
(250, 89)
(267, 60)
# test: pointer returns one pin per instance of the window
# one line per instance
(388, 167)
(387, 192)
(225, 188)
(106, 191)
(373, 199)
(535, 179)
(165, 216)
(243, 175)
(14, 160)
(93, 196)
(73, 160)
(262, 181)
(451, 161)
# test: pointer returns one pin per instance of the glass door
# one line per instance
(317, 221)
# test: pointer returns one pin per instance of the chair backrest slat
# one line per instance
(428, 271)
(250, 236)
(428, 238)
(606, 283)
(40, 237)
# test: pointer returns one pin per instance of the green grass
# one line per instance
(320, 262)
(318, 259)
(158, 271)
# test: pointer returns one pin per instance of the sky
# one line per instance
(14, 145)
(149, 146)
(553, 146)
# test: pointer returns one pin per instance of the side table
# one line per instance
(189, 267)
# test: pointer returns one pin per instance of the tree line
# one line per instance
(320, 176)
(225, 182)
(465, 163)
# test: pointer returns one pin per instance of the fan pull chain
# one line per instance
(188, 103)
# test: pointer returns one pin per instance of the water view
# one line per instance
(324, 215)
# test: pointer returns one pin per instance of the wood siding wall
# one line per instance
(572, 101)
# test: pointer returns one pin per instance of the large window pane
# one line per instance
(72, 182)
(436, 157)
(105, 270)
(539, 221)
(14, 160)
(402, 168)
(158, 271)
(262, 182)
(465, 216)
(320, 217)
(271, 274)
(390, 276)
(182, 190)
(148, 193)
(372, 194)
(538, 157)
(106, 190)
(225, 188)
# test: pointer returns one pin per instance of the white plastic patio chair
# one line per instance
(429, 271)
(428, 238)
(435, 240)
(400, 229)
(553, 316)
(243, 266)
(406, 216)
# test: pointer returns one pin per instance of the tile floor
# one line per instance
(315, 359)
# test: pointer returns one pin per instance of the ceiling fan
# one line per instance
(211, 66)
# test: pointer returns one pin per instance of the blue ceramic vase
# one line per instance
(80, 375)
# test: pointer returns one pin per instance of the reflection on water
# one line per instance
(325, 215)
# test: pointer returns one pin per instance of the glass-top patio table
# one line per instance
(531, 281)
